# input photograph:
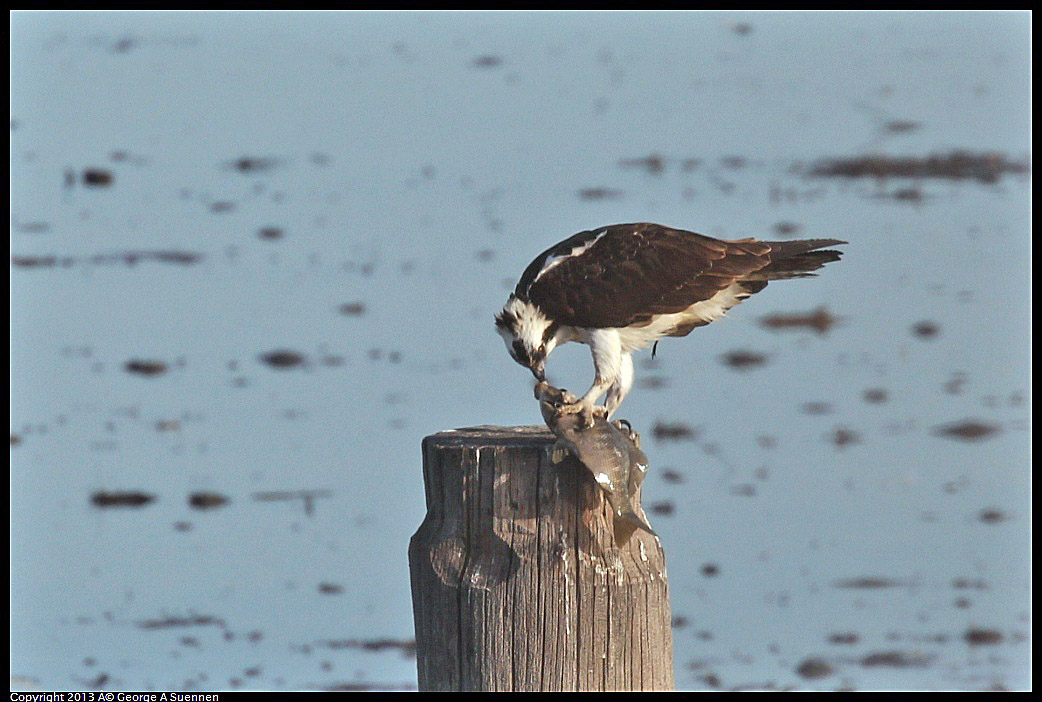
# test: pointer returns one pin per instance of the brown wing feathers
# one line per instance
(635, 271)
(707, 268)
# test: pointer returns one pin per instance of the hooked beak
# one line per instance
(538, 370)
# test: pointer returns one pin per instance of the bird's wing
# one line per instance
(624, 274)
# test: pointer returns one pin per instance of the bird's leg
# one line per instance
(621, 387)
(609, 365)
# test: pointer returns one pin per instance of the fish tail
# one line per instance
(625, 524)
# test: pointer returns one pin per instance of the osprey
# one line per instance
(621, 288)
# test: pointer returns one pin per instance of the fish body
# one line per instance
(609, 450)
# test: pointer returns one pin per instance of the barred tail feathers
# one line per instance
(797, 259)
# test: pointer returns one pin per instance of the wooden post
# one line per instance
(516, 580)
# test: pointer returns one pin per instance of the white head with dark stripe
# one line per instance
(529, 335)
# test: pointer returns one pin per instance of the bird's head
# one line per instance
(528, 334)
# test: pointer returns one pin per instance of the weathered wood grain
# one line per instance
(517, 583)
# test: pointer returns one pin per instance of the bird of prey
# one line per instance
(621, 288)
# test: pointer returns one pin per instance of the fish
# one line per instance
(609, 450)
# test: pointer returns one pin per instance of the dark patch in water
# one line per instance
(901, 126)
(97, 682)
(711, 680)
(819, 320)
(813, 668)
(270, 233)
(487, 61)
(957, 165)
(653, 163)
(407, 647)
(123, 45)
(352, 309)
(665, 508)
(992, 516)
(97, 177)
(816, 408)
(896, 659)
(967, 430)
(766, 442)
(128, 257)
(180, 622)
(253, 164)
(206, 500)
(913, 195)
(845, 638)
(30, 227)
(283, 359)
(330, 588)
(953, 386)
(40, 261)
(132, 257)
(652, 382)
(875, 396)
(842, 437)
(969, 584)
(926, 329)
(743, 360)
(671, 476)
(982, 637)
(222, 206)
(307, 496)
(15, 439)
(600, 193)
(105, 499)
(675, 431)
(710, 570)
(867, 583)
(786, 229)
(146, 368)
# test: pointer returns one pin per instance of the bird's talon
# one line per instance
(569, 408)
(590, 415)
